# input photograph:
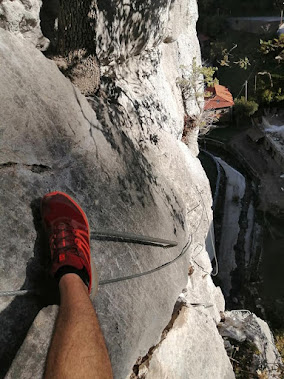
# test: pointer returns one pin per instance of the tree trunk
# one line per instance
(70, 27)
(76, 27)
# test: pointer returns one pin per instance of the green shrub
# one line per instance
(280, 342)
(244, 108)
(267, 96)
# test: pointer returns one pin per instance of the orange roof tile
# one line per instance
(222, 99)
(224, 93)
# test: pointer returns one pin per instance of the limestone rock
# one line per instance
(51, 138)
(36, 341)
(118, 153)
(21, 17)
(146, 74)
(244, 325)
(126, 28)
(192, 347)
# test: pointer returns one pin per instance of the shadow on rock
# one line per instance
(38, 276)
(17, 318)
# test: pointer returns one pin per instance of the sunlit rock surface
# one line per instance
(191, 346)
(21, 17)
(118, 153)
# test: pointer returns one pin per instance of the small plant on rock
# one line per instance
(194, 81)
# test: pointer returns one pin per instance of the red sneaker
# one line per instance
(69, 235)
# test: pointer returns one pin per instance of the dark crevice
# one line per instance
(146, 359)
(17, 318)
(36, 168)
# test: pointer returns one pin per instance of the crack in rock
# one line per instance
(36, 168)
(141, 366)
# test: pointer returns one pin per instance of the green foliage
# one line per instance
(244, 108)
(245, 355)
(236, 54)
(279, 336)
(243, 56)
(223, 54)
(273, 46)
(263, 59)
(208, 73)
(242, 357)
(243, 63)
(269, 87)
(267, 96)
(226, 55)
(193, 82)
(279, 95)
(279, 342)
(195, 79)
(271, 56)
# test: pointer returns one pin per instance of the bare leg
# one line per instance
(77, 348)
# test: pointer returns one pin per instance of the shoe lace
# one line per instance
(66, 238)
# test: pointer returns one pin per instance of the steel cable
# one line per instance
(132, 238)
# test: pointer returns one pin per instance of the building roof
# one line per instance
(221, 98)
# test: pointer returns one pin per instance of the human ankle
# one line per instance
(71, 279)
(66, 270)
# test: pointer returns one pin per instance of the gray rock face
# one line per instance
(201, 355)
(36, 342)
(119, 156)
(52, 139)
(244, 325)
(128, 28)
(21, 17)
(146, 75)
(192, 347)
